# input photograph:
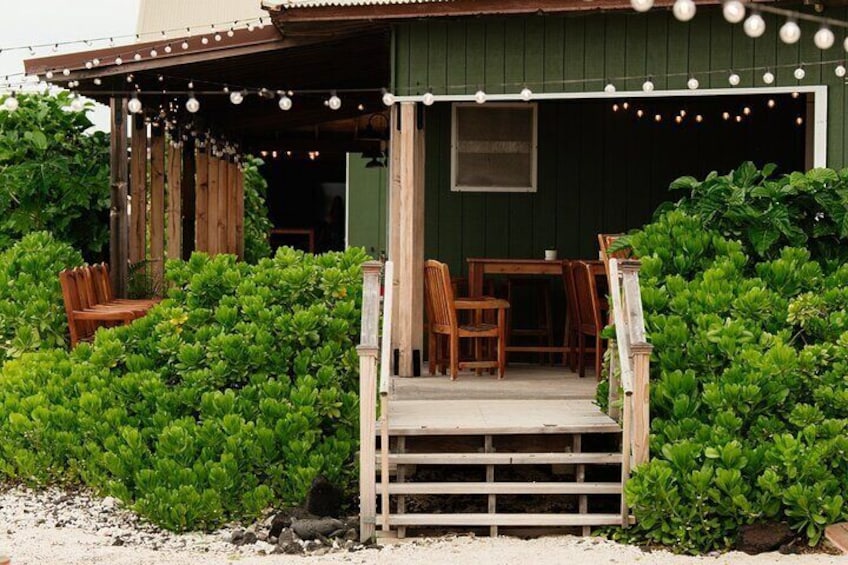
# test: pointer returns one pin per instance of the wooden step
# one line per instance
(505, 519)
(502, 488)
(502, 458)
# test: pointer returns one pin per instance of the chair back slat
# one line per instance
(439, 293)
(71, 300)
(588, 308)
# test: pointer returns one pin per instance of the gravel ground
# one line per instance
(54, 526)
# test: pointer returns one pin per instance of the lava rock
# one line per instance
(759, 538)
(281, 521)
(312, 529)
(324, 498)
(351, 534)
(287, 543)
(237, 537)
(249, 538)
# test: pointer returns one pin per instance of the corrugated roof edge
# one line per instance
(286, 4)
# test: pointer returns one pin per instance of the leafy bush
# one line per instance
(256, 222)
(32, 314)
(232, 394)
(766, 214)
(53, 176)
(749, 396)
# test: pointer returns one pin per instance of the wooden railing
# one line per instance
(630, 355)
(370, 358)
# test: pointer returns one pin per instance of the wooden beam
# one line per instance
(393, 227)
(410, 238)
(232, 208)
(240, 213)
(175, 232)
(188, 189)
(201, 207)
(138, 190)
(157, 204)
(212, 215)
(118, 219)
(222, 206)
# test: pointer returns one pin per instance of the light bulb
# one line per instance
(734, 79)
(118, 61)
(526, 94)
(754, 26)
(184, 45)
(738, 119)
(66, 72)
(204, 40)
(845, 43)
(192, 105)
(684, 10)
(639, 113)
(693, 84)
(734, 11)
(480, 97)
(615, 107)
(725, 116)
(77, 105)
(824, 38)
(768, 77)
(236, 97)
(230, 33)
(678, 119)
(609, 88)
(699, 118)
(642, 5)
(799, 73)
(388, 98)
(49, 75)
(648, 86)
(657, 118)
(428, 99)
(134, 105)
(285, 103)
(799, 120)
(11, 104)
(790, 32)
(746, 110)
(168, 48)
(770, 103)
(334, 102)
(96, 61)
(217, 37)
(839, 71)
(137, 56)
(98, 82)
(154, 53)
(88, 64)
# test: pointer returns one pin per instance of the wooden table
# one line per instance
(479, 267)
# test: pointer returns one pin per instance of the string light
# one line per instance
(11, 103)
(648, 86)
(799, 120)
(192, 105)
(285, 103)
(734, 11)
(790, 32)
(734, 79)
(799, 73)
(725, 116)
(388, 98)
(137, 56)
(693, 83)
(526, 94)
(771, 103)
(642, 5)
(840, 71)
(609, 88)
(639, 113)
(699, 118)
(746, 110)
(657, 118)
(768, 77)
(480, 97)
(429, 99)
(134, 105)
(824, 38)
(684, 10)
(236, 97)
(334, 102)
(754, 25)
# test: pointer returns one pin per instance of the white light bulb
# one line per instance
(192, 105)
(236, 97)
(824, 38)
(88, 64)
(168, 48)
(137, 56)
(49, 75)
(285, 103)
(840, 71)
(754, 26)
(334, 102)
(184, 45)
(77, 105)
(480, 97)
(230, 33)
(609, 88)
(204, 40)
(134, 105)
(11, 104)
(154, 53)
(642, 5)
(684, 10)
(66, 72)
(693, 84)
(768, 77)
(388, 98)
(648, 86)
(98, 82)
(800, 73)
(428, 99)
(790, 32)
(526, 94)
(118, 61)
(734, 11)
(217, 37)
(845, 43)
(734, 79)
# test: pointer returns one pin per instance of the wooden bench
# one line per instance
(90, 303)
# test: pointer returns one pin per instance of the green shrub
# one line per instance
(32, 314)
(53, 175)
(256, 222)
(749, 394)
(232, 394)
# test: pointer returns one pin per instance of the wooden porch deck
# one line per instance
(529, 400)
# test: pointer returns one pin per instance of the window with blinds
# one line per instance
(494, 147)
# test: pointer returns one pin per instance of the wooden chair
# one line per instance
(589, 311)
(443, 311)
(605, 240)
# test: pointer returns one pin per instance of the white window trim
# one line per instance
(534, 176)
(819, 93)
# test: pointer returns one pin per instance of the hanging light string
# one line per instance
(221, 27)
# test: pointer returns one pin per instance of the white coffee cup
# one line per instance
(550, 254)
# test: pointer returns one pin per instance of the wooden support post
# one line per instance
(175, 202)
(118, 218)
(368, 350)
(232, 208)
(188, 189)
(393, 231)
(411, 238)
(138, 190)
(201, 206)
(626, 456)
(613, 397)
(641, 402)
(239, 212)
(212, 214)
(157, 204)
(222, 206)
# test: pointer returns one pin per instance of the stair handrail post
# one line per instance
(368, 350)
(385, 379)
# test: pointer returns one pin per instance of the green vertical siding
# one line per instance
(367, 202)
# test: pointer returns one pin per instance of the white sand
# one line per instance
(28, 535)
